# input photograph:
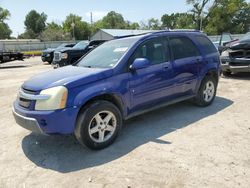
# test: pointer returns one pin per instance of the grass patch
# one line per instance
(32, 53)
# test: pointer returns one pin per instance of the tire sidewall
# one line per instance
(200, 99)
(82, 127)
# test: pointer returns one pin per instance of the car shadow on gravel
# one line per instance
(13, 67)
(239, 76)
(64, 154)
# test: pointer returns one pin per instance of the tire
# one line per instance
(93, 130)
(50, 61)
(226, 73)
(207, 92)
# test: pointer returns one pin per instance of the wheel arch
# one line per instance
(210, 72)
(110, 97)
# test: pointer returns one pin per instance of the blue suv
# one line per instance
(119, 79)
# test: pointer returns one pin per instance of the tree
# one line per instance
(152, 23)
(35, 24)
(113, 20)
(5, 31)
(133, 25)
(198, 11)
(178, 21)
(228, 16)
(78, 29)
(54, 32)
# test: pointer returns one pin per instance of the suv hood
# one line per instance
(69, 76)
(48, 50)
(242, 44)
(64, 49)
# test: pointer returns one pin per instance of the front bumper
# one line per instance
(46, 59)
(46, 122)
(61, 63)
(235, 64)
(27, 123)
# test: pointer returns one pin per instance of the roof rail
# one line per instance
(186, 30)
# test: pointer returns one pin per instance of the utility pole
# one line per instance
(91, 18)
(73, 27)
(91, 24)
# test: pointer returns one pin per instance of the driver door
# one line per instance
(150, 84)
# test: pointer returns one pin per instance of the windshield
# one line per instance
(246, 36)
(81, 45)
(108, 54)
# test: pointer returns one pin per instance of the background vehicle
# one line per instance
(118, 80)
(68, 56)
(225, 38)
(48, 54)
(10, 56)
(236, 57)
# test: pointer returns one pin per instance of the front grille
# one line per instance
(239, 64)
(57, 56)
(25, 102)
(240, 54)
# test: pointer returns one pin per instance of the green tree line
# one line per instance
(211, 16)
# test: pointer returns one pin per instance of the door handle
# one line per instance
(165, 67)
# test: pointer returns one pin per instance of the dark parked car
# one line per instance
(236, 57)
(223, 42)
(118, 80)
(48, 54)
(68, 56)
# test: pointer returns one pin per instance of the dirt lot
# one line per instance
(178, 146)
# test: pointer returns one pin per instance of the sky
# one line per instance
(132, 10)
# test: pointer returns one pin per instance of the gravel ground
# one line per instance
(178, 146)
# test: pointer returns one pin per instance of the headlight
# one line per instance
(57, 100)
(225, 54)
(64, 56)
(48, 55)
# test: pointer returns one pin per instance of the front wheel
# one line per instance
(226, 73)
(98, 125)
(207, 92)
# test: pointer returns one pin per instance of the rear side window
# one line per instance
(183, 47)
(208, 46)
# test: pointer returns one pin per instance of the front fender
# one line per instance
(90, 92)
(87, 93)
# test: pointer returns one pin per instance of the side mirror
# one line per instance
(139, 63)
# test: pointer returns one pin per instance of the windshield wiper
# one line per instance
(87, 66)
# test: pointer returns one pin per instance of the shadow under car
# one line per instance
(64, 154)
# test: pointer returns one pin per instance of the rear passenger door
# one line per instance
(186, 57)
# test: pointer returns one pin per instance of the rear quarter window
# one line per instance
(207, 45)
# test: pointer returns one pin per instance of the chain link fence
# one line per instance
(28, 45)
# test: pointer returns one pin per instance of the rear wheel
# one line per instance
(98, 125)
(207, 92)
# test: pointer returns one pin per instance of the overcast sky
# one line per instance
(57, 10)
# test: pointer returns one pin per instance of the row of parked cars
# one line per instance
(68, 54)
